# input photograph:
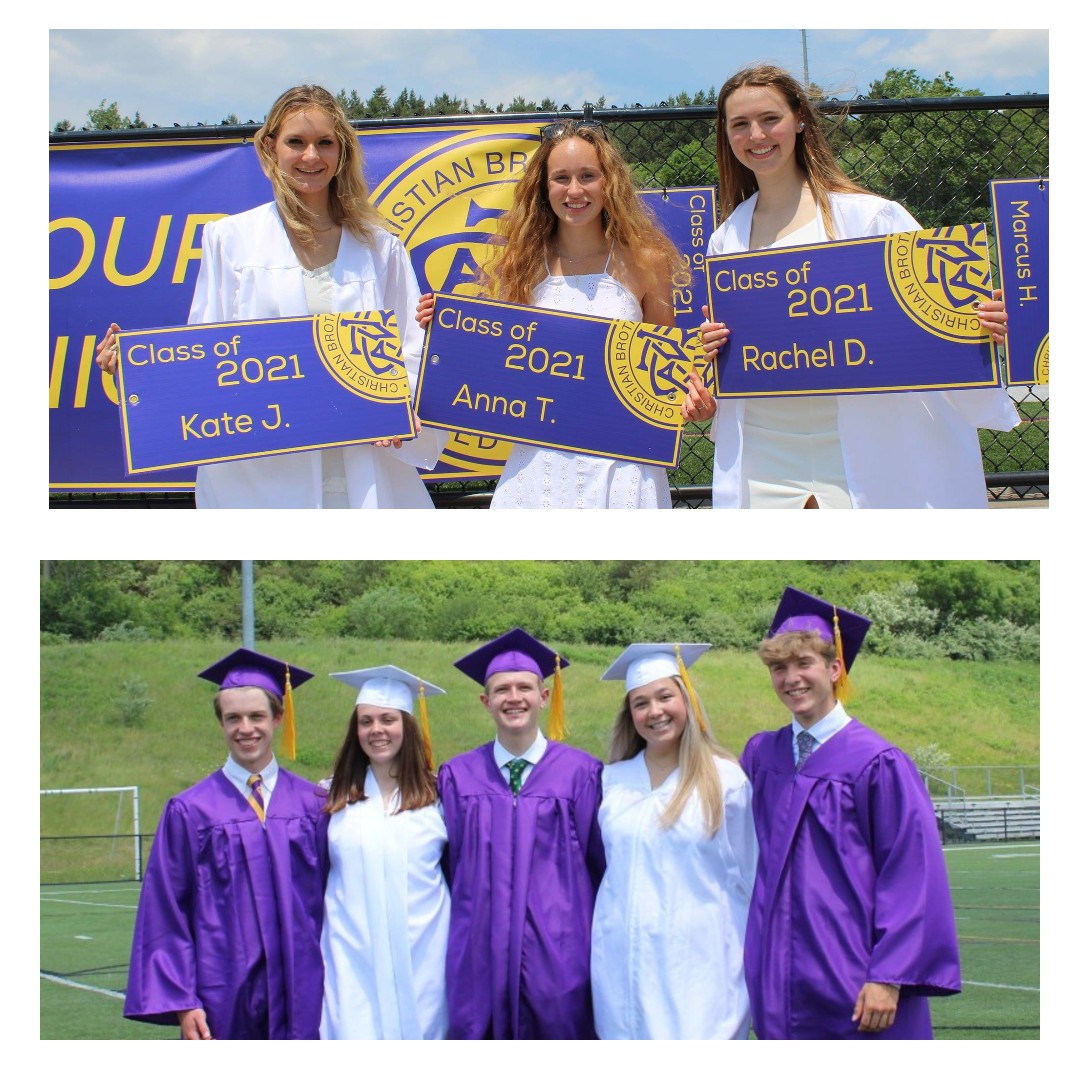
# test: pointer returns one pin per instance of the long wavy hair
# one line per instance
(530, 224)
(415, 781)
(349, 201)
(813, 154)
(697, 769)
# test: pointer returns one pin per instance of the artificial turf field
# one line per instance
(86, 938)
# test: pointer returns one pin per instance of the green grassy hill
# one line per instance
(979, 713)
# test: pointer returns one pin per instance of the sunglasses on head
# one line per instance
(565, 128)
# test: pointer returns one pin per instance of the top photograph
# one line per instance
(502, 269)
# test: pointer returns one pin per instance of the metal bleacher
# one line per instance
(972, 820)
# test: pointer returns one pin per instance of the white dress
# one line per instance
(386, 923)
(899, 450)
(670, 917)
(250, 271)
(791, 446)
(535, 478)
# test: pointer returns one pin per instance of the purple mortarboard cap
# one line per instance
(515, 650)
(802, 611)
(247, 668)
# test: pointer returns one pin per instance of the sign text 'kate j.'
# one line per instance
(559, 380)
(216, 392)
(887, 313)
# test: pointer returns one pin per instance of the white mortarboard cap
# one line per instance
(387, 686)
(645, 662)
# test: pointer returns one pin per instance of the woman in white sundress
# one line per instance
(579, 239)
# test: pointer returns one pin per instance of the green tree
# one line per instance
(108, 118)
(939, 164)
(378, 104)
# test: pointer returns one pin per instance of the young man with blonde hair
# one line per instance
(851, 924)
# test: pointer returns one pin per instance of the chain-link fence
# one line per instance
(937, 156)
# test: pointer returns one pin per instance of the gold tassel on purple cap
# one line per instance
(288, 727)
(843, 684)
(684, 674)
(555, 727)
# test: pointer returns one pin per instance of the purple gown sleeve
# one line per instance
(161, 978)
(914, 930)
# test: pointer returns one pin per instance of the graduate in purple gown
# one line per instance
(524, 858)
(227, 933)
(851, 923)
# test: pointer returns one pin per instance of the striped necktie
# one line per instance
(255, 796)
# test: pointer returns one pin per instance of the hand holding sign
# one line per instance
(569, 382)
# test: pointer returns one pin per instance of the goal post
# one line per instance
(93, 834)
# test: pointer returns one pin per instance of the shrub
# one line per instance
(124, 631)
(134, 702)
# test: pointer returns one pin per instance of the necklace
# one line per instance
(580, 258)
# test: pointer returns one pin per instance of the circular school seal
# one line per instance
(938, 275)
(1042, 362)
(362, 353)
(444, 202)
(648, 367)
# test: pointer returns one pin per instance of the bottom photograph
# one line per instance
(544, 800)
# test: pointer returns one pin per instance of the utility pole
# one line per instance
(805, 65)
(247, 603)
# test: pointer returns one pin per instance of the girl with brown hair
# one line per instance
(578, 238)
(780, 185)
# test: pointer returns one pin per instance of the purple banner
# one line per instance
(124, 246)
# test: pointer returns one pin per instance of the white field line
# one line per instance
(82, 986)
(85, 903)
(1002, 986)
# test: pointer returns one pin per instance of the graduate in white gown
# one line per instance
(678, 831)
(578, 238)
(780, 185)
(387, 904)
(320, 247)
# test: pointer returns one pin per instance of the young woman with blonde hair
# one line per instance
(578, 238)
(780, 185)
(678, 834)
(317, 248)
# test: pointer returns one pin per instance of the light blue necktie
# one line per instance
(806, 743)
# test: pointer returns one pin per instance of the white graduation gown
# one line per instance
(250, 271)
(670, 917)
(902, 450)
(386, 923)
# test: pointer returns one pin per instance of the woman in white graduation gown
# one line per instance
(678, 831)
(387, 913)
(780, 185)
(319, 247)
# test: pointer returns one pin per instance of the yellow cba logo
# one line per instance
(362, 353)
(648, 368)
(1042, 362)
(444, 204)
(936, 275)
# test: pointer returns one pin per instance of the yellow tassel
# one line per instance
(684, 674)
(843, 684)
(288, 727)
(426, 731)
(556, 727)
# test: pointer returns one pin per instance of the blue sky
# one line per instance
(187, 76)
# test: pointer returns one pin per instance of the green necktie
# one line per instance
(516, 767)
